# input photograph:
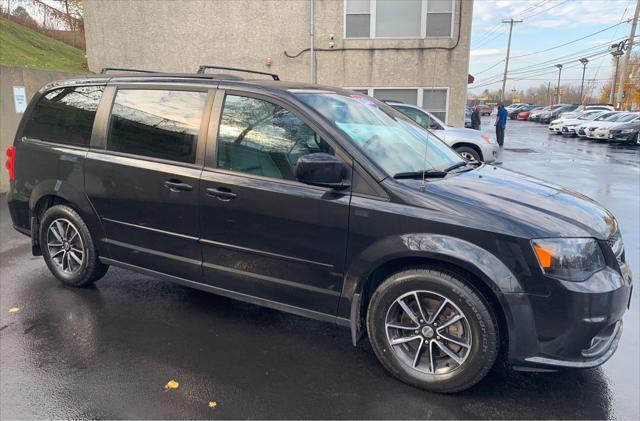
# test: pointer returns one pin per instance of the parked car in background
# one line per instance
(467, 118)
(568, 126)
(485, 109)
(628, 133)
(553, 113)
(470, 144)
(524, 115)
(534, 115)
(513, 114)
(602, 131)
(324, 203)
(584, 130)
(556, 125)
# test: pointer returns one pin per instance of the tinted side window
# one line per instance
(156, 123)
(65, 115)
(261, 138)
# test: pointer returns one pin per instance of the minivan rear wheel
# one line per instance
(430, 329)
(68, 249)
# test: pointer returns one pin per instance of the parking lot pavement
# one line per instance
(108, 351)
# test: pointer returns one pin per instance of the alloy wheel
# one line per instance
(467, 156)
(65, 246)
(428, 332)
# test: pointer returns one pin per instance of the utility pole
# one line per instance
(625, 62)
(506, 61)
(615, 53)
(559, 66)
(584, 62)
(549, 93)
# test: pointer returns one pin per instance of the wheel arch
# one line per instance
(481, 269)
(469, 145)
(55, 192)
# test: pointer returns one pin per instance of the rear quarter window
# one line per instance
(65, 115)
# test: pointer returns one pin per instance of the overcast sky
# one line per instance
(547, 24)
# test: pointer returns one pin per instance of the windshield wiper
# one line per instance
(421, 174)
(461, 164)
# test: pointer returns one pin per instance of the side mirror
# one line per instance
(321, 169)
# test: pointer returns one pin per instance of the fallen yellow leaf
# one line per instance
(14, 309)
(171, 384)
(213, 404)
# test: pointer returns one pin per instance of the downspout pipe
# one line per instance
(312, 55)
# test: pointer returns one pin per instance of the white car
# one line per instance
(574, 114)
(584, 130)
(556, 125)
(568, 126)
(602, 131)
(470, 144)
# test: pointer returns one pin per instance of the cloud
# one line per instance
(483, 52)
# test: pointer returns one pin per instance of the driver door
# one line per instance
(264, 234)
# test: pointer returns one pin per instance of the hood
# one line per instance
(458, 133)
(499, 200)
(635, 125)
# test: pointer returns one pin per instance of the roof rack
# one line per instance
(123, 69)
(204, 68)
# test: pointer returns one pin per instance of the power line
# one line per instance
(575, 40)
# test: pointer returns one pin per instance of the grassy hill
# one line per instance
(22, 46)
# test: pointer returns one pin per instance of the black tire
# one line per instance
(90, 269)
(462, 150)
(482, 326)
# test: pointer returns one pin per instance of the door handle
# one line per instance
(177, 186)
(222, 193)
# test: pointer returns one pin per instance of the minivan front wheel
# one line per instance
(431, 330)
(68, 249)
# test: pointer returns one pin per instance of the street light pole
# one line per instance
(584, 62)
(559, 66)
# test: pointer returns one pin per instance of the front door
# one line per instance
(144, 184)
(264, 234)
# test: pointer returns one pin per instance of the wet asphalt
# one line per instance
(109, 350)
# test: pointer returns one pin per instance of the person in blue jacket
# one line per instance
(501, 122)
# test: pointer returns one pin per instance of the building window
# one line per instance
(435, 101)
(358, 19)
(398, 18)
(156, 123)
(406, 96)
(439, 18)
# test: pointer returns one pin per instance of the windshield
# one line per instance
(590, 116)
(606, 116)
(614, 117)
(626, 118)
(385, 135)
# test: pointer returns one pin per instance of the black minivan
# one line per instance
(324, 203)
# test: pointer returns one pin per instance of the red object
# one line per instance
(470, 79)
(11, 162)
(524, 115)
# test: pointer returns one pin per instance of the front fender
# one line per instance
(476, 260)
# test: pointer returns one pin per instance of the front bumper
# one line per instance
(621, 137)
(489, 152)
(600, 134)
(568, 130)
(577, 325)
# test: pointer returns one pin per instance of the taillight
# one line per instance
(11, 162)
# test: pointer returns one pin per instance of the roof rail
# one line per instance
(204, 68)
(123, 69)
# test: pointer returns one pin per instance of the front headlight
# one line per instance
(486, 138)
(627, 131)
(572, 259)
